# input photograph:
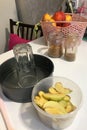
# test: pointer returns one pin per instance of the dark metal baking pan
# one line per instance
(9, 81)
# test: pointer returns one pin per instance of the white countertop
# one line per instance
(23, 116)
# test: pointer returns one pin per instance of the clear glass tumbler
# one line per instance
(71, 45)
(55, 44)
(26, 70)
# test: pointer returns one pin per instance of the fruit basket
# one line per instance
(76, 26)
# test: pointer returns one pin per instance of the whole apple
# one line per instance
(59, 16)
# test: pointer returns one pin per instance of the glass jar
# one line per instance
(70, 45)
(70, 53)
(55, 43)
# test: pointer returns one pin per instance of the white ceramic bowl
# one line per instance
(58, 121)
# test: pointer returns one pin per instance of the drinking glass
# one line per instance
(26, 70)
(55, 44)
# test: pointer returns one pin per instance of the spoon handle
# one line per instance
(5, 115)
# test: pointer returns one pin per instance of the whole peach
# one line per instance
(46, 17)
(68, 17)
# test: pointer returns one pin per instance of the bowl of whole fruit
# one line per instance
(67, 23)
(57, 101)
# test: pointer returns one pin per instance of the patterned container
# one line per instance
(76, 26)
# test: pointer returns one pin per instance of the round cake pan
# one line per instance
(9, 80)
